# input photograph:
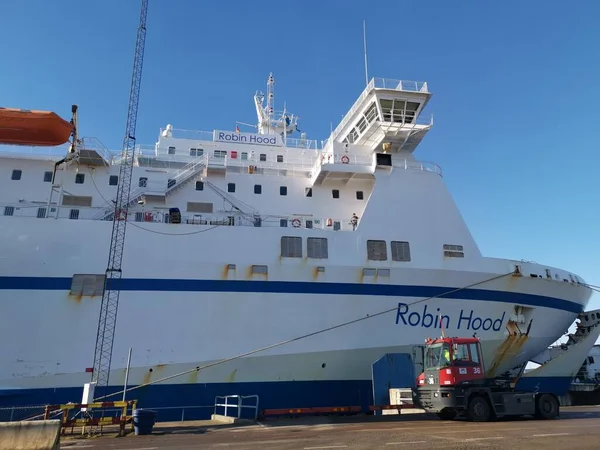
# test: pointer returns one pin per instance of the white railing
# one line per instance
(204, 137)
(378, 83)
(238, 405)
(149, 216)
(424, 166)
(188, 170)
(198, 135)
(400, 85)
(92, 143)
(23, 151)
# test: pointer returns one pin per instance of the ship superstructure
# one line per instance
(239, 240)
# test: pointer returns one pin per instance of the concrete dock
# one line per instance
(578, 427)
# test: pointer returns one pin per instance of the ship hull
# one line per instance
(181, 307)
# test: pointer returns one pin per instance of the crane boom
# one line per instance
(110, 296)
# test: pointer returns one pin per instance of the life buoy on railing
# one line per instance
(296, 223)
(121, 215)
(345, 159)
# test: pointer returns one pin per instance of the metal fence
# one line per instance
(15, 413)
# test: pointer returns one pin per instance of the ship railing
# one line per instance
(425, 166)
(92, 143)
(378, 83)
(224, 401)
(34, 152)
(149, 215)
(199, 135)
(400, 85)
(207, 136)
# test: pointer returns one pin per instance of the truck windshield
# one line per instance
(437, 356)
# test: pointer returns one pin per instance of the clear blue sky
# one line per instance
(515, 83)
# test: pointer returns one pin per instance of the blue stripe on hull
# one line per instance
(286, 394)
(293, 287)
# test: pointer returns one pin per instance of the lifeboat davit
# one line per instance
(35, 128)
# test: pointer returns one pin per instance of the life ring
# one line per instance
(121, 215)
(345, 159)
(296, 223)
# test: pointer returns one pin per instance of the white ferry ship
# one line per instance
(237, 241)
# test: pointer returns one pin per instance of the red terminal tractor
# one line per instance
(454, 384)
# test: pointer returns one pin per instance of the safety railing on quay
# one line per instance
(238, 405)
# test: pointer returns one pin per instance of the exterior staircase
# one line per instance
(180, 178)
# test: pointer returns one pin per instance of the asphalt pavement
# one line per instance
(576, 428)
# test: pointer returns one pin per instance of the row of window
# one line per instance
(16, 175)
(113, 180)
(233, 154)
(291, 247)
(283, 190)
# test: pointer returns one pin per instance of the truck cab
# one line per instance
(452, 361)
(453, 383)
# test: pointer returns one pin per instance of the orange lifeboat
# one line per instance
(29, 127)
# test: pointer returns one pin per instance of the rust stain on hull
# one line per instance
(511, 346)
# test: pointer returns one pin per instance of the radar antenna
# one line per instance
(112, 283)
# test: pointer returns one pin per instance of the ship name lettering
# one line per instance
(247, 138)
(428, 318)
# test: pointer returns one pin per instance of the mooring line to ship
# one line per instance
(298, 338)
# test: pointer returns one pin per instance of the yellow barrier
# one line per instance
(67, 422)
(30, 435)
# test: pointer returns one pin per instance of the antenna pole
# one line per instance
(365, 48)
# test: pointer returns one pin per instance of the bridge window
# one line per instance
(244, 156)
(335, 193)
(47, 177)
(360, 195)
(171, 150)
(113, 180)
(453, 251)
(79, 178)
(230, 187)
(199, 185)
(400, 251)
(257, 189)
(308, 192)
(280, 158)
(196, 151)
(74, 214)
(84, 284)
(291, 247)
(283, 223)
(282, 190)
(41, 213)
(220, 153)
(143, 182)
(376, 250)
(16, 174)
(263, 157)
(316, 248)
(9, 210)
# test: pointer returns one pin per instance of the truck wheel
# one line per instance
(479, 409)
(447, 414)
(546, 407)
